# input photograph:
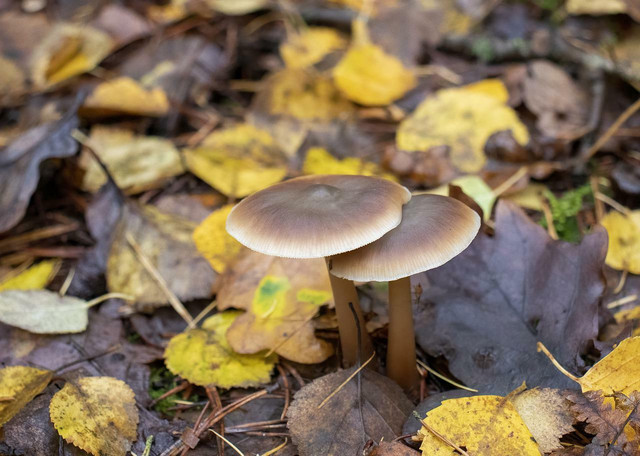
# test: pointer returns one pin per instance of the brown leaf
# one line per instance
(336, 428)
(393, 449)
(603, 420)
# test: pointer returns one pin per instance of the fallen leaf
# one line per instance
(604, 420)
(122, 23)
(624, 240)
(96, 414)
(336, 429)
(238, 161)
(531, 197)
(463, 119)
(617, 372)
(213, 241)
(166, 242)
(137, 163)
(34, 278)
(125, 96)
(320, 161)
(473, 186)
(12, 81)
(237, 7)
(310, 46)
(203, 357)
(393, 449)
(483, 425)
(20, 164)
(67, 51)
(486, 309)
(43, 311)
(18, 385)
(600, 7)
(544, 411)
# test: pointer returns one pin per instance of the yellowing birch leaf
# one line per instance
(137, 163)
(96, 414)
(238, 161)
(43, 311)
(484, 425)
(320, 161)
(18, 385)
(624, 240)
(213, 241)
(371, 77)
(309, 47)
(125, 96)
(462, 118)
(34, 278)
(67, 51)
(618, 372)
(203, 357)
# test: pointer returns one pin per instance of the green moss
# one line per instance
(564, 211)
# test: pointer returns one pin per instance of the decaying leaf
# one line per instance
(320, 161)
(125, 96)
(203, 357)
(136, 162)
(393, 449)
(96, 414)
(33, 278)
(486, 309)
(336, 429)
(166, 242)
(484, 425)
(310, 46)
(462, 119)
(544, 411)
(238, 161)
(18, 385)
(43, 311)
(213, 241)
(624, 240)
(618, 372)
(604, 420)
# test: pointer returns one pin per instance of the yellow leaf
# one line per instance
(237, 7)
(371, 77)
(484, 425)
(18, 385)
(309, 47)
(596, 7)
(34, 278)
(203, 357)
(12, 79)
(463, 119)
(213, 241)
(137, 163)
(320, 161)
(125, 96)
(238, 161)
(67, 51)
(618, 372)
(475, 188)
(366, 5)
(96, 414)
(624, 240)
(530, 197)
(281, 296)
(628, 315)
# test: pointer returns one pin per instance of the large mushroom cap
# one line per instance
(434, 229)
(317, 216)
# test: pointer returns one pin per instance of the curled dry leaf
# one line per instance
(213, 241)
(310, 46)
(43, 311)
(624, 240)
(125, 96)
(96, 414)
(483, 425)
(203, 357)
(336, 429)
(33, 278)
(18, 385)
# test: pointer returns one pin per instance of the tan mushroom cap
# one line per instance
(434, 229)
(317, 216)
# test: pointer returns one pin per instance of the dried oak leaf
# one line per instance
(603, 420)
(336, 429)
(486, 309)
(20, 164)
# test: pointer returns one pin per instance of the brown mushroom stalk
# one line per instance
(401, 350)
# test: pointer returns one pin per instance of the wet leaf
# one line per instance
(462, 119)
(336, 429)
(18, 385)
(96, 414)
(213, 241)
(125, 96)
(43, 311)
(238, 161)
(484, 425)
(136, 162)
(320, 161)
(310, 46)
(624, 240)
(34, 278)
(203, 357)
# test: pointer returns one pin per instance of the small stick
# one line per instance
(287, 391)
(347, 380)
(67, 282)
(442, 377)
(181, 387)
(623, 280)
(612, 129)
(294, 373)
(511, 181)
(543, 349)
(104, 297)
(440, 436)
(622, 301)
(203, 313)
(611, 202)
(551, 229)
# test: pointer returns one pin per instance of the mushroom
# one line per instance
(320, 216)
(434, 229)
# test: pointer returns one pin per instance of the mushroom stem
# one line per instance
(401, 350)
(344, 292)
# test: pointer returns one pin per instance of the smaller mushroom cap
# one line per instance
(434, 229)
(317, 216)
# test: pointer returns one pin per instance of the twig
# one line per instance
(551, 229)
(440, 436)
(511, 180)
(631, 110)
(104, 297)
(611, 202)
(203, 313)
(67, 282)
(347, 380)
(176, 389)
(622, 301)
(623, 280)
(294, 373)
